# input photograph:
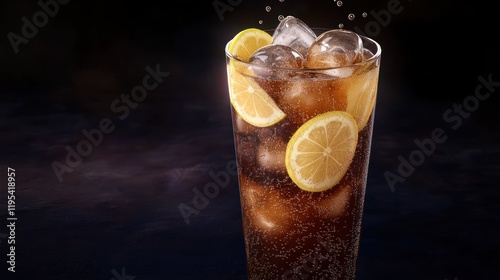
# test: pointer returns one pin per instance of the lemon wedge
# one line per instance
(247, 41)
(250, 101)
(361, 96)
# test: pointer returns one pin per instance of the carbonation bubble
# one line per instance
(351, 16)
(282, 0)
(261, 21)
(364, 14)
(281, 17)
(341, 25)
(340, 3)
(268, 8)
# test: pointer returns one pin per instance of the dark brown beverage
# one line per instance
(302, 139)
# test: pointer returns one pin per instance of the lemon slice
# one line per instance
(246, 42)
(361, 95)
(250, 101)
(321, 150)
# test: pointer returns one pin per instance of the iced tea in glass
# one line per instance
(303, 111)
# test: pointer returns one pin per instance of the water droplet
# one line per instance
(261, 21)
(268, 8)
(341, 25)
(339, 3)
(364, 14)
(351, 16)
(281, 17)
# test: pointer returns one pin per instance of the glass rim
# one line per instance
(374, 57)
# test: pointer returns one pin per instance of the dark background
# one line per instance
(116, 215)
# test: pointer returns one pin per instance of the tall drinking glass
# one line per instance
(302, 140)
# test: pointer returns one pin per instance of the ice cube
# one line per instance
(266, 208)
(335, 48)
(277, 56)
(294, 33)
(271, 155)
(335, 204)
(308, 96)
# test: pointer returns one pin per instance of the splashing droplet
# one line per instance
(268, 8)
(351, 16)
(281, 17)
(261, 21)
(340, 3)
(341, 25)
(364, 14)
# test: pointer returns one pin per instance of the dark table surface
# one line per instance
(116, 214)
